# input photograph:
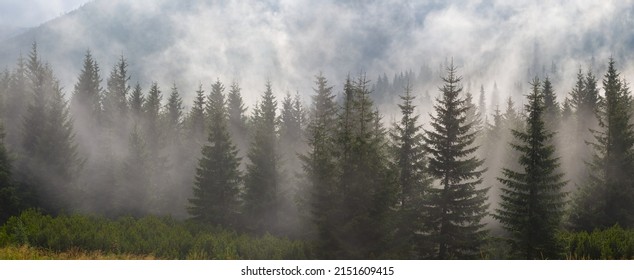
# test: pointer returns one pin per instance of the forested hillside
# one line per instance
(121, 137)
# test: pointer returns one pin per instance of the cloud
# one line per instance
(19, 13)
(288, 42)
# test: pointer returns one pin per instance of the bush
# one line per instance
(614, 243)
(160, 237)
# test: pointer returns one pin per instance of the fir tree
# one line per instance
(261, 197)
(151, 111)
(196, 116)
(551, 106)
(236, 111)
(51, 159)
(136, 102)
(9, 200)
(532, 199)
(410, 166)
(135, 187)
(367, 185)
(217, 88)
(482, 107)
(457, 207)
(86, 99)
(115, 102)
(174, 110)
(607, 199)
(319, 165)
(217, 181)
(16, 104)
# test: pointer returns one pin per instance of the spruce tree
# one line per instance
(551, 106)
(86, 99)
(86, 107)
(410, 166)
(115, 100)
(482, 107)
(291, 132)
(261, 196)
(151, 111)
(319, 163)
(367, 185)
(9, 199)
(196, 118)
(174, 112)
(608, 197)
(457, 206)
(51, 159)
(237, 119)
(217, 181)
(135, 182)
(532, 201)
(136, 101)
(584, 99)
(64, 160)
(217, 88)
(18, 99)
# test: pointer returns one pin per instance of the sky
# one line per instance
(31, 13)
(287, 42)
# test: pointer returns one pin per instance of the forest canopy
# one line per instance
(444, 180)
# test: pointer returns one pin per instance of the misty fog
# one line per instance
(139, 154)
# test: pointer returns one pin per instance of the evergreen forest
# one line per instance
(112, 165)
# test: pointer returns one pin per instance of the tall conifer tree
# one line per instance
(217, 181)
(608, 197)
(457, 206)
(410, 166)
(262, 197)
(319, 164)
(532, 199)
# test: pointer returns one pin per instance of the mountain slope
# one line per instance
(289, 42)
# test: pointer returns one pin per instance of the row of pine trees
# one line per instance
(331, 173)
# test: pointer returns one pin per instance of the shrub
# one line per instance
(160, 237)
(614, 243)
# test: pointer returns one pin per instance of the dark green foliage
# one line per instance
(608, 197)
(237, 119)
(217, 89)
(291, 124)
(136, 102)
(291, 140)
(217, 182)
(410, 165)
(366, 184)
(532, 199)
(320, 168)
(9, 199)
(161, 237)
(552, 112)
(63, 157)
(262, 188)
(51, 159)
(115, 103)
(174, 114)
(584, 99)
(456, 207)
(614, 243)
(15, 104)
(86, 99)
(196, 118)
